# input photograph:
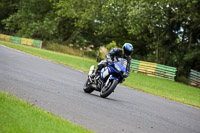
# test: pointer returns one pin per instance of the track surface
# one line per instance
(58, 89)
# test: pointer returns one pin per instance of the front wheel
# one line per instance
(88, 87)
(106, 91)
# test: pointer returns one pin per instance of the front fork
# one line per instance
(92, 69)
(108, 80)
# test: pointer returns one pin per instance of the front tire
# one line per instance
(88, 87)
(106, 91)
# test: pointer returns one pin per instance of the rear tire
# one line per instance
(106, 92)
(87, 87)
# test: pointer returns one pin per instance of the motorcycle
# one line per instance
(106, 81)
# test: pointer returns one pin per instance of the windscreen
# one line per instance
(123, 62)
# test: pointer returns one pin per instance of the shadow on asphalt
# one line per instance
(108, 98)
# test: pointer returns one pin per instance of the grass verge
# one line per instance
(160, 87)
(17, 116)
(81, 63)
(165, 88)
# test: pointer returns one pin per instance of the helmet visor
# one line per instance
(127, 52)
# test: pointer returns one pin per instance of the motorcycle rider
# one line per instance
(116, 53)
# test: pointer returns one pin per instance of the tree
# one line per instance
(7, 7)
(34, 18)
(169, 27)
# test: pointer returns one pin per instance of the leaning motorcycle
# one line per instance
(108, 78)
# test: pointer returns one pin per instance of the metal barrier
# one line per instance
(153, 69)
(15, 39)
(24, 41)
(4, 37)
(194, 78)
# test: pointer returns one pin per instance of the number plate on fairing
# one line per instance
(104, 72)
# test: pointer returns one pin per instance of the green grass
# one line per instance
(160, 87)
(165, 88)
(64, 49)
(81, 63)
(17, 116)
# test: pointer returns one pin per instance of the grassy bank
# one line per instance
(77, 62)
(161, 87)
(165, 88)
(17, 116)
(64, 49)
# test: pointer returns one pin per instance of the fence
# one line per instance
(153, 69)
(194, 78)
(20, 40)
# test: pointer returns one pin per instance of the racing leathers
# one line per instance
(113, 55)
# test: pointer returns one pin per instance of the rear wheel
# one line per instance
(107, 90)
(88, 87)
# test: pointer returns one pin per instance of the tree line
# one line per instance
(166, 32)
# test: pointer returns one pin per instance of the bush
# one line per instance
(91, 54)
(182, 79)
(101, 55)
(111, 45)
(63, 49)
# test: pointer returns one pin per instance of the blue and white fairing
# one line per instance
(116, 69)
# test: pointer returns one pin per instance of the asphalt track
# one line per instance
(58, 89)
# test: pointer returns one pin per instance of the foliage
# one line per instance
(7, 7)
(102, 53)
(63, 49)
(37, 22)
(91, 54)
(111, 45)
(169, 29)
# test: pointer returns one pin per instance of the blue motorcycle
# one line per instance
(108, 78)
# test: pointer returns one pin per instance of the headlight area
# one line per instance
(117, 67)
